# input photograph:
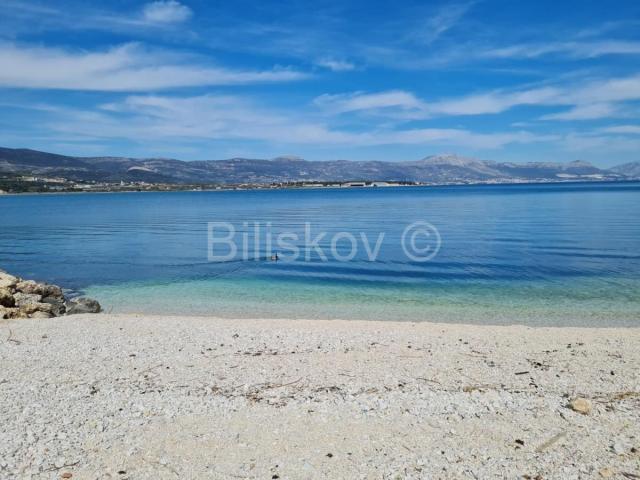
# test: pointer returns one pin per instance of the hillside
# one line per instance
(432, 169)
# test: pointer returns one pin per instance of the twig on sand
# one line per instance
(429, 380)
(630, 475)
(66, 465)
(616, 397)
(277, 385)
(13, 340)
(551, 441)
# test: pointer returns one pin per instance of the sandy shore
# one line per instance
(133, 397)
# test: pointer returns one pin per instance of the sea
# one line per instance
(564, 254)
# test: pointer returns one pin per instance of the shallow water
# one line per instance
(564, 254)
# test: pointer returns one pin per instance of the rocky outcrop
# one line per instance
(29, 299)
(82, 305)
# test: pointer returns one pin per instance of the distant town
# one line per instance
(33, 184)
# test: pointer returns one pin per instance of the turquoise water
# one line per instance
(537, 254)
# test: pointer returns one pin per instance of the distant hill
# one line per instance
(433, 169)
(631, 169)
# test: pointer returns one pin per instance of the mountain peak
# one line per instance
(449, 159)
(288, 158)
(580, 163)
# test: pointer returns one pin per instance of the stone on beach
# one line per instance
(27, 298)
(82, 305)
(581, 405)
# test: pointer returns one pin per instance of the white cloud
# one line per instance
(444, 20)
(623, 129)
(584, 112)
(590, 142)
(124, 68)
(590, 100)
(210, 117)
(166, 11)
(611, 90)
(335, 65)
(461, 138)
(496, 102)
(380, 103)
(566, 49)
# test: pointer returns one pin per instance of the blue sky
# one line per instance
(194, 79)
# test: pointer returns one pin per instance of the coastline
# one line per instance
(200, 397)
(267, 187)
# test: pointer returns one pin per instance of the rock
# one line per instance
(581, 405)
(43, 289)
(6, 298)
(82, 305)
(24, 299)
(607, 472)
(40, 314)
(26, 286)
(57, 305)
(8, 281)
(44, 307)
(6, 313)
(618, 449)
(27, 309)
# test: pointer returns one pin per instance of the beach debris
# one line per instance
(473, 388)
(618, 449)
(581, 405)
(606, 472)
(556, 438)
(67, 475)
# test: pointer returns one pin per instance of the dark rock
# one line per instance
(82, 305)
(6, 312)
(57, 305)
(6, 298)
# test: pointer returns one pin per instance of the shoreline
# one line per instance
(268, 188)
(200, 397)
(480, 323)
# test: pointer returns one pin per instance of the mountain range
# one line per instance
(433, 169)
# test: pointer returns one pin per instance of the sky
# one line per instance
(362, 80)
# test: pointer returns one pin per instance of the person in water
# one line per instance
(274, 257)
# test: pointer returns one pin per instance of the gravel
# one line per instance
(136, 397)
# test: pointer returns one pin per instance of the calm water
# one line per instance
(543, 255)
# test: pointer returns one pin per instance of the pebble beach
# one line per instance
(148, 397)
